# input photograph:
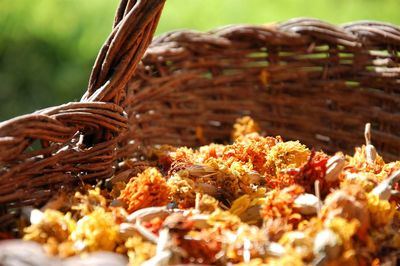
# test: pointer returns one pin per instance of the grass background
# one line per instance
(47, 47)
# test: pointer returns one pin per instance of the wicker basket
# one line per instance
(303, 79)
(77, 141)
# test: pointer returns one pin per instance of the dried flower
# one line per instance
(243, 126)
(244, 243)
(381, 211)
(346, 230)
(349, 203)
(279, 204)
(224, 220)
(299, 242)
(200, 246)
(87, 203)
(292, 258)
(95, 231)
(252, 149)
(183, 154)
(366, 180)
(284, 161)
(288, 155)
(53, 229)
(248, 203)
(315, 170)
(139, 250)
(247, 207)
(147, 189)
(358, 162)
(207, 204)
(182, 190)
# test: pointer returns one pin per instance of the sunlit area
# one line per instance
(200, 132)
(47, 47)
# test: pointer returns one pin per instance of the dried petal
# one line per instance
(384, 189)
(147, 189)
(334, 166)
(307, 204)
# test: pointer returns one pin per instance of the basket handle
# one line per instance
(134, 25)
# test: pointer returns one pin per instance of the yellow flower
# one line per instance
(182, 190)
(224, 220)
(287, 155)
(53, 224)
(387, 169)
(381, 211)
(207, 204)
(252, 262)
(243, 126)
(344, 228)
(283, 158)
(366, 180)
(53, 231)
(85, 204)
(359, 162)
(139, 250)
(291, 258)
(241, 205)
(96, 231)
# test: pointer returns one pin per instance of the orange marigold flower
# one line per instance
(313, 170)
(201, 247)
(279, 204)
(183, 154)
(253, 149)
(358, 162)
(209, 151)
(147, 189)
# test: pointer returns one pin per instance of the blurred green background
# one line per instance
(47, 47)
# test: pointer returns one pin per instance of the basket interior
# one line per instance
(192, 87)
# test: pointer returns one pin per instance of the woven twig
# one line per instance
(303, 79)
(68, 144)
(123, 49)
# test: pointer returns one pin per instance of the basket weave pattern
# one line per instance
(303, 79)
(77, 141)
